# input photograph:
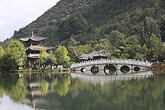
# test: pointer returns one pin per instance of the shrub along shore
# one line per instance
(45, 71)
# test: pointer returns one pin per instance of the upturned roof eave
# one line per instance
(35, 57)
(38, 49)
(34, 38)
(94, 54)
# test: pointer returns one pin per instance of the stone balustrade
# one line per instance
(112, 61)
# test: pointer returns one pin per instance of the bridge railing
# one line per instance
(112, 61)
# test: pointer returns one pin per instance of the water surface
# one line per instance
(62, 92)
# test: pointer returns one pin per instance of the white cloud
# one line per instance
(15, 14)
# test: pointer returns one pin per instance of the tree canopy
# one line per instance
(51, 59)
(156, 48)
(14, 54)
(61, 54)
(2, 52)
(98, 24)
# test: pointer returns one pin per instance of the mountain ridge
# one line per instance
(97, 19)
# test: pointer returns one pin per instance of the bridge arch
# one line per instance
(136, 69)
(95, 69)
(82, 70)
(125, 69)
(110, 69)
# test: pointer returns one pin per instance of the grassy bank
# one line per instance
(43, 71)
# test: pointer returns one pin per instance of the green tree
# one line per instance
(43, 53)
(162, 28)
(73, 25)
(156, 50)
(51, 59)
(2, 52)
(42, 58)
(76, 51)
(130, 50)
(73, 42)
(2, 91)
(15, 54)
(61, 54)
(103, 44)
(150, 26)
(115, 38)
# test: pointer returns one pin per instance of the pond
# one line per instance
(64, 92)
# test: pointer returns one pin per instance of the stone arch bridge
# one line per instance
(111, 66)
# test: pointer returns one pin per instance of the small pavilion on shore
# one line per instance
(32, 47)
(101, 54)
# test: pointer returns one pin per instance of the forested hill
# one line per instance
(84, 22)
(87, 20)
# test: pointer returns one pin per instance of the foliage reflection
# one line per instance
(146, 94)
(18, 92)
(64, 93)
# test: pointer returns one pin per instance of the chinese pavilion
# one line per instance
(32, 48)
(101, 54)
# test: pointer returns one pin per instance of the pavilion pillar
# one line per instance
(29, 62)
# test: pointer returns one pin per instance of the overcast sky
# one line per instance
(15, 14)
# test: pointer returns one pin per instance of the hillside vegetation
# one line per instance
(114, 25)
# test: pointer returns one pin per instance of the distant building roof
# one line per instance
(83, 56)
(38, 48)
(33, 38)
(94, 55)
(33, 55)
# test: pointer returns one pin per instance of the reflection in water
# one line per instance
(63, 92)
(7, 104)
(18, 92)
(62, 86)
(44, 87)
(12, 90)
(39, 85)
(95, 79)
